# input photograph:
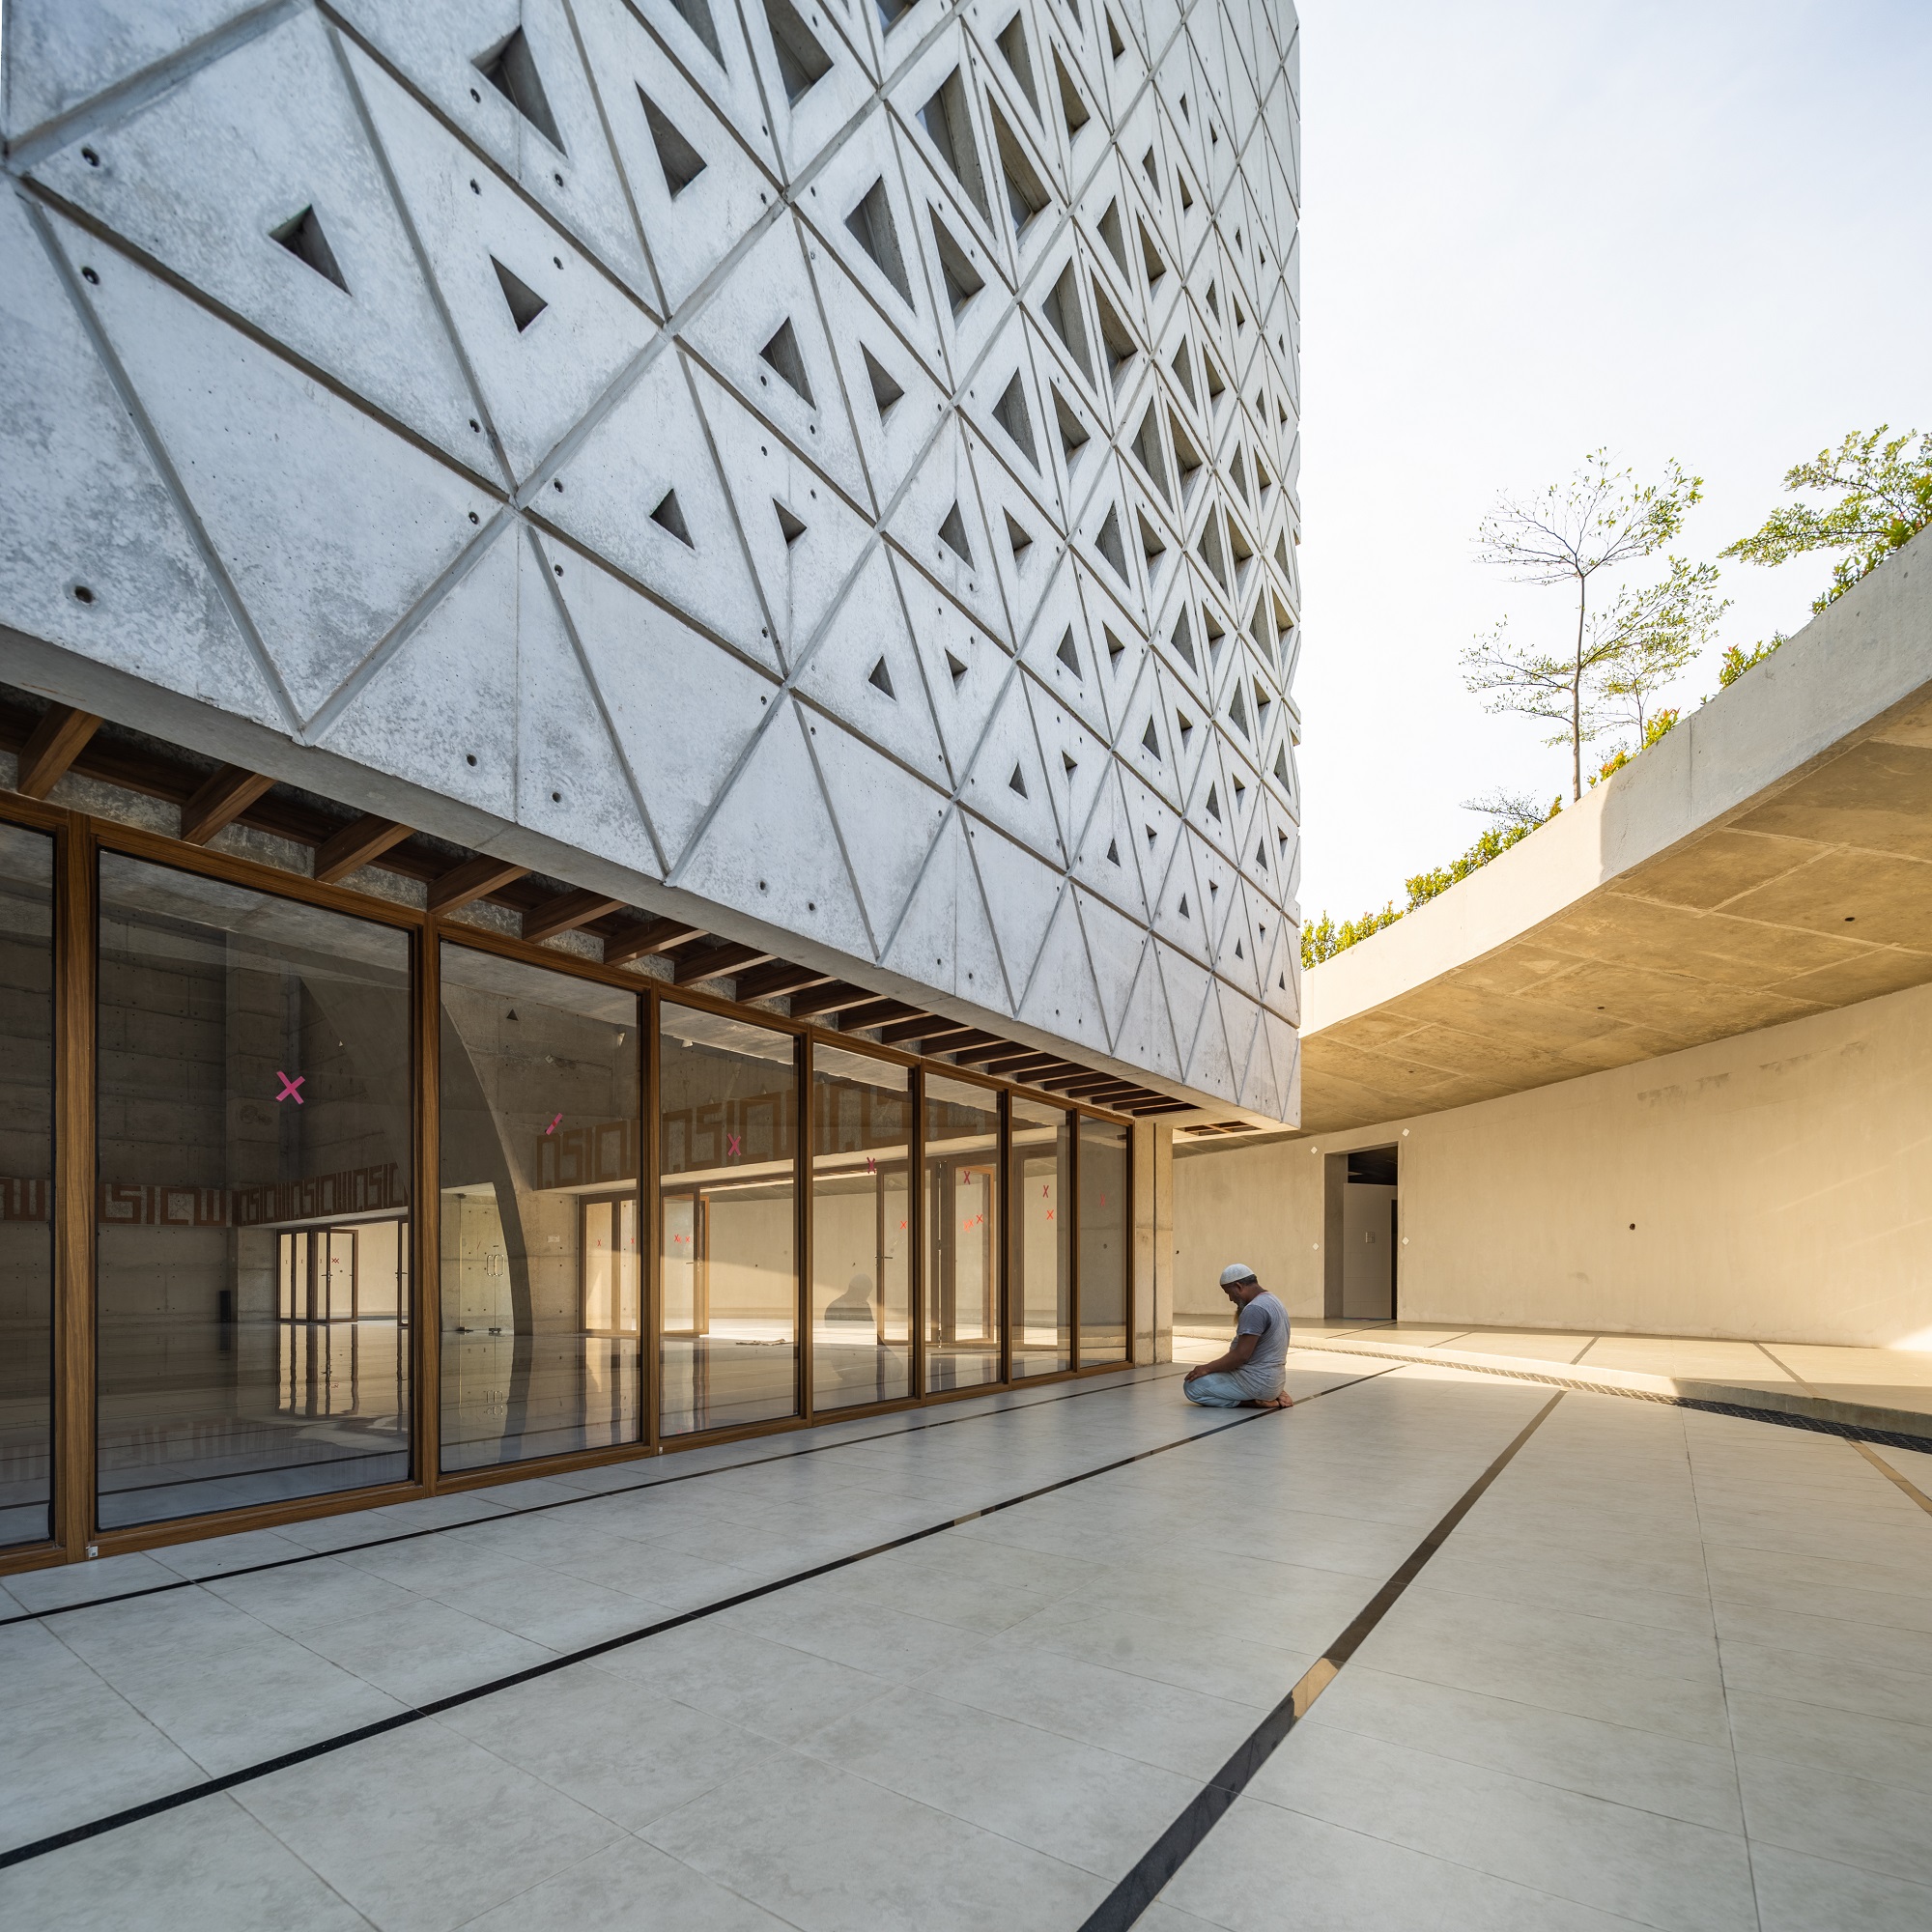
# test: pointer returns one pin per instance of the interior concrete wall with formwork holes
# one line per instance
(777, 513)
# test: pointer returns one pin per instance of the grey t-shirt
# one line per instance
(1266, 1318)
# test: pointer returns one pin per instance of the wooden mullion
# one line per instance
(650, 1234)
(802, 1150)
(426, 1220)
(75, 978)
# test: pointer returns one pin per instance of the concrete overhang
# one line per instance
(1769, 859)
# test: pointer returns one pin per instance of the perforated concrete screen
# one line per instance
(835, 460)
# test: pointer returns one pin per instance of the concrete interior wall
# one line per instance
(1769, 1186)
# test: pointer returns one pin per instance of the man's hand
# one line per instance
(1195, 1373)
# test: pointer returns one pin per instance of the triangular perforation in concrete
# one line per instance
(1008, 782)
(867, 634)
(643, 472)
(804, 540)
(82, 505)
(1076, 759)
(1107, 853)
(771, 297)
(191, 179)
(774, 827)
(567, 166)
(322, 593)
(540, 381)
(814, 81)
(691, 222)
(940, 487)
(1061, 652)
(1026, 548)
(704, 39)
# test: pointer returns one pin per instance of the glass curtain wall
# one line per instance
(26, 1190)
(539, 1128)
(728, 1147)
(962, 1235)
(254, 1137)
(1103, 1242)
(1040, 1285)
(861, 1243)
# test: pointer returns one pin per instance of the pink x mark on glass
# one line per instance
(289, 1087)
(733, 1143)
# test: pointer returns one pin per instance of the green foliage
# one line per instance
(1601, 519)
(1736, 660)
(1885, 498)
(1652, 732)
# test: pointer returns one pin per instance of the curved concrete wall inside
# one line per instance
(827, 464)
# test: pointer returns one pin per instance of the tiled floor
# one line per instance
(1672, 1669)
(1897, 1378)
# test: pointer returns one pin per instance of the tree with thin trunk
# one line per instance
(1599, 521)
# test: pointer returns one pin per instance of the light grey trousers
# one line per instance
(1216, 1391)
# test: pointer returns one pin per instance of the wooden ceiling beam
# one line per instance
(961, 1045)
(53, 745)
(829, 998)
(768, 982)
(875, 1013)
(355, 844)
(925, 1027)
(474, 879)
(565, 913)
(714, 962)
(654, 935)
(221, 797)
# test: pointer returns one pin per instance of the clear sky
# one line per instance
(1534, 227)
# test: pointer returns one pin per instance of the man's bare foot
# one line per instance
(1273, 1402)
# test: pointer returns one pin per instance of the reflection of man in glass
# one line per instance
(855, 1304)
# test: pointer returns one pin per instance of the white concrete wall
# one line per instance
(911, 680)
(1781, 1183)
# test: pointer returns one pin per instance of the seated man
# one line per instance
(1251, 1374)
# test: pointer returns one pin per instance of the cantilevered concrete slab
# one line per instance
(1771, 858)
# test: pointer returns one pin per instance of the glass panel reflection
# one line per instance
(962, 1235)
(539, 1130)
(861, 1250)
(727, 1095)
(1042, 1311)
(1103, 1242)
(26, 1185)
(254, 1139)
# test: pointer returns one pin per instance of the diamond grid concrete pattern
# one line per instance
(865, 434)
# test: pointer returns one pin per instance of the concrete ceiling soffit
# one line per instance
(697, 189)
(650, 667)
(806, 542)
(1077, 761)
(706, 39)
(896, 406)
(85, 504)
(545, 333)
(440, 709)
(771, 848)
(761, 333)
(575, 779)
(1021, 891)
(332, 530)
(1062, 653)
(1107, 853)
(938, 524)
(867, 670)
(887, 820)
(1114, 943)
(642, 490)
(965, 668)
(1062, 997)
(209, 176)
(1008, 782)
(944, 935)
